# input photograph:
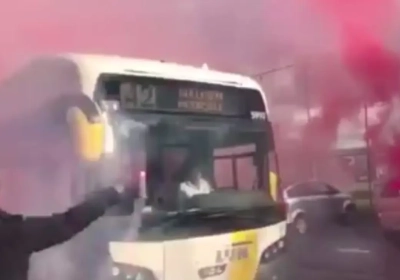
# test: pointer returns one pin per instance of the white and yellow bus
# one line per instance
(150, 120)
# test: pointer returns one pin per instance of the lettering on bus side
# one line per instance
(236, 252)
(199, 100)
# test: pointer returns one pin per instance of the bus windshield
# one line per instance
(193, 164)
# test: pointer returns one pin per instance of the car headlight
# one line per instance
(130, 272)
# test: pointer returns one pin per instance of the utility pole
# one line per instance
(369, 162)
(305, 91)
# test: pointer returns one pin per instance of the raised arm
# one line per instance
(39, 233)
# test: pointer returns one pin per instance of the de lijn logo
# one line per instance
(237, 252)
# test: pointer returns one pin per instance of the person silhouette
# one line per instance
(21, 236)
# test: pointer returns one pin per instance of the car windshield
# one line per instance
(311, 189)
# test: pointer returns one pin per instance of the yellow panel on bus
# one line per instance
(245, 267)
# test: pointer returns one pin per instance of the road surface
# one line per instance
(335, 252)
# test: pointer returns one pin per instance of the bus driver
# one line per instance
(194, 183)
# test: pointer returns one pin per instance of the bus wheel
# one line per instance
(393, 237)
(300, 224)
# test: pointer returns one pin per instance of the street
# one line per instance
(333, 251)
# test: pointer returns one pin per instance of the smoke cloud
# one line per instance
(366, 73)
(340, 57)
(346, 50)
(226, 36)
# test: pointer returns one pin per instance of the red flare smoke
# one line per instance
(364, 27)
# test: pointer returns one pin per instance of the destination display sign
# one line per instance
(154, 94)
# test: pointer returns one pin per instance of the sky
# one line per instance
(245, 36)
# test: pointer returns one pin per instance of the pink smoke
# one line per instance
(362, 71)
(225, 35)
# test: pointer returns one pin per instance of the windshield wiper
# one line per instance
(189, 216)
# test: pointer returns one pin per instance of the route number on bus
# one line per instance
(138, 96)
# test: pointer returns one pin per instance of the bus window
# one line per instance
(223, 173)
(172, 160)
(165, 187)
(132, 158)
(236, 164)
(247, 175)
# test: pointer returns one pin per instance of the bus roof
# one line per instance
(93, 65)
(123, 65)
(48, 75)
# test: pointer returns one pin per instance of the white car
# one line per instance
(312, 203)
(387, 204)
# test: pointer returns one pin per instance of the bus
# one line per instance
(199, 141)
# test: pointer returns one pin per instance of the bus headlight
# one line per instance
(273, 251)
(130, 272)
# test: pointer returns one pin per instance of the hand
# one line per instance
(125, 206)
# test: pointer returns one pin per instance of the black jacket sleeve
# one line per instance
(39, 233)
